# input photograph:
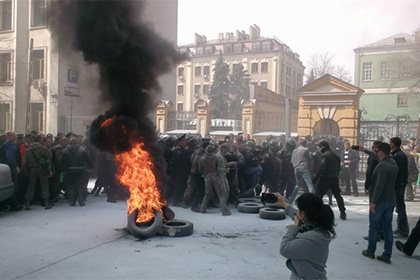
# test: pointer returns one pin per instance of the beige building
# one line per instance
(270, 63)
(41, 103)
(329, 106)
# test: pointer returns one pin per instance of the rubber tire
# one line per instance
(176, 228)
(245, 200)
(168, 213)
(250, 207)
(272, 213)
(144, 231)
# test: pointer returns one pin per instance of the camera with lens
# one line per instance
(268, 198)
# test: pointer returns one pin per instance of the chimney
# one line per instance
(254, 32)
(238, 35)
(221, 37)
(198, 39)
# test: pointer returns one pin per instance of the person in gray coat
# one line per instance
(306, 242)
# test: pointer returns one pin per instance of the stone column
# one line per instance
(163, 107)
(248, 116)
(203, 109)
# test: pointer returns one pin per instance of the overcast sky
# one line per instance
(306, 26)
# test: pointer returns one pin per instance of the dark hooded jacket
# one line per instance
(76, 158)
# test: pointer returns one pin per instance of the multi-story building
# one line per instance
(270, 63)
(390, 104)
(36, 97)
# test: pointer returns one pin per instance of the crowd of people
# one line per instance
(242, 168)
(204, 173)
(43, 167)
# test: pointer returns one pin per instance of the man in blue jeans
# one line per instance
(382, 203)
(301, 161)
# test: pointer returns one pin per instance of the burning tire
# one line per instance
(177, 228)
(250, 207)
(144, 230)
(272, 214)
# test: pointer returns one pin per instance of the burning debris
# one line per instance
(130, 58)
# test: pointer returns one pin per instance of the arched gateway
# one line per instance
(330, 106)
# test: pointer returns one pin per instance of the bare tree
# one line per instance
(320, 64)
(406, 65)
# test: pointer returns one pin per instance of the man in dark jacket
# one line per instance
(382, 202)
(400, 157)
(76, 162)
(36, 168)
(328, 175)
(180, 168)
(372, 161)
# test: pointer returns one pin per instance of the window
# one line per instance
(180, 89)
(6, 15)
(402, 100)
(235, 67)
(4, 117)
(385, 70)
(197, 71)
(227, 49)
(181, 72)
(256, 46)
(254, 67)
(5, 68)
(209, 50)
(264, 84)
(299, 80)
(197, 89)
(238, 48)
(206, 70)
(264, 67)
(199, 51)
(206, 89)
(267, 46)
(37, 116)
(38, 65)
(400, 40)
(180, 107)
(38, 13)
(367, 71)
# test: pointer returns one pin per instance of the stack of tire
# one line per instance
(254, 205)
(170, 228)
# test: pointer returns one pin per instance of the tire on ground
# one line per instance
(250, 207)
(272, 213)
(176, 228)
(244, 200)
(144, 230)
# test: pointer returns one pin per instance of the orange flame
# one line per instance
(135, 172)
(106, 122)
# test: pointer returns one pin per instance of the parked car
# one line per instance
(6, 185)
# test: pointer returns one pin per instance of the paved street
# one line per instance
(90, 243)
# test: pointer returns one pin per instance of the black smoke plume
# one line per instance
(130, 58)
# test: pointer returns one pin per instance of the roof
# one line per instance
(329, 79)
(393, 40)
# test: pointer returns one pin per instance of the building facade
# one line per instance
(36, 72)
(270, 63)
(390, 105)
